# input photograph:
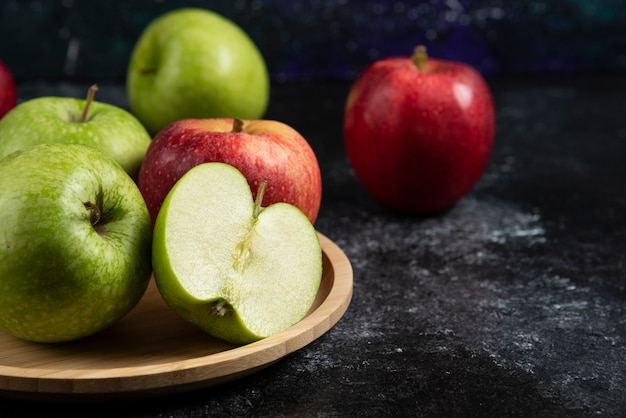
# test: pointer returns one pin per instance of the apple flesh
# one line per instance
(418, 132)
(105, 127)
(8, 90)
(194, 63)
(237, 270)
(260, 149)
(75, 243)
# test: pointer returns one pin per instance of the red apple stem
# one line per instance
(90, 95)
(237, 125)
(259, 198)
(420, 57)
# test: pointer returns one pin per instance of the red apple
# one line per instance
(260, 149)
(418, 131)
(8, 90)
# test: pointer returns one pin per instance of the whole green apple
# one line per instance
(237, 270)
(194, 63)
(75, 242)
(108, 128)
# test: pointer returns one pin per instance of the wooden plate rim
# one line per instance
(195, 372)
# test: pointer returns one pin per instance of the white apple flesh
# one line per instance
(238, 271)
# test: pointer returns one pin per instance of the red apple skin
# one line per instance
(419, 140)
(264, 150)
(8, 90)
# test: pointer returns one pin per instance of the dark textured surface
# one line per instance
(332, 39)
(510, 304)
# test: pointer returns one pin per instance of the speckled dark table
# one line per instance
(510, 304)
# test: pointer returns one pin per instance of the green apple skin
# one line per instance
(194, 63)
(238, 276)
(62, 278)
(46, 120)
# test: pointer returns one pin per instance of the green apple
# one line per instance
(237, 270)
(194, 63)
(75, 242)
(108, 128)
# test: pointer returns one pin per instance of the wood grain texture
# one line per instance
(152, 351)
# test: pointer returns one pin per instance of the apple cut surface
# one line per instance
(238, 271)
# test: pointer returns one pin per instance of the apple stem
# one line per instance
(420, 56)
(94, 208)
(90, 95)
(96, 213)
(237, 125)
(259, 198)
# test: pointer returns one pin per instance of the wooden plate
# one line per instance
(152, 351)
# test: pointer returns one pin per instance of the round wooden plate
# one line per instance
(152, 351)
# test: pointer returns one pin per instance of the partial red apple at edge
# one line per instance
(8, 90)
(419, 131)
(262, 150)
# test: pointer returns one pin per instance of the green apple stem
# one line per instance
(420, 57)
(237, 125)
(96, 213)
(90, 95)
(259, 199)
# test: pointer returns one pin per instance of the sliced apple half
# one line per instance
(237, 270)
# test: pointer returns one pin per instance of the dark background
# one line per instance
(512, 303)
(331, 39)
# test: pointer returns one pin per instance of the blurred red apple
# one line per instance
(259, 149)
(419, 131)
(8, 90)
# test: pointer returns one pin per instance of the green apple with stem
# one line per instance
(75, 242)
(194, 63)
(109, 128)
(237, 270)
